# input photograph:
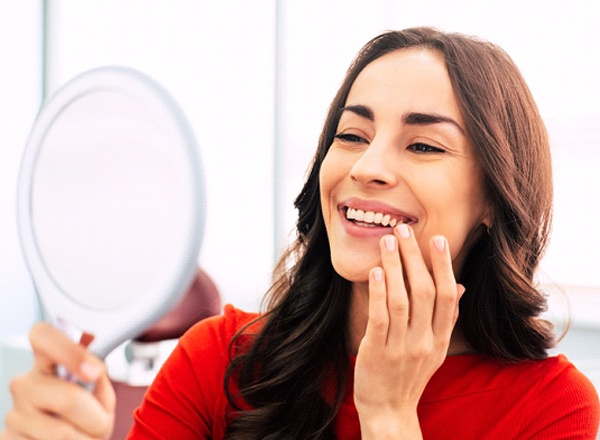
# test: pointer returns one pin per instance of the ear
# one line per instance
(487, 219)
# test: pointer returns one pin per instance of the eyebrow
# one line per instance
(410, 118)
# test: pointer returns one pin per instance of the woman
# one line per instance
(431, 184)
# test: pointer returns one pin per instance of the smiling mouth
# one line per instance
(375, 219)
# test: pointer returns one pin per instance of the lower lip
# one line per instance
(364, 231)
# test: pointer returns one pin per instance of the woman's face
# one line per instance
(400, 154)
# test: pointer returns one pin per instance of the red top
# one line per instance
(469, 397)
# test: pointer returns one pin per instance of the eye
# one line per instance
(347, 137)
(421, 148)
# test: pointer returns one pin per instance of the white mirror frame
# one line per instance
(114, 325)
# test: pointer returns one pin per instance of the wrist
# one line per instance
(384, 426)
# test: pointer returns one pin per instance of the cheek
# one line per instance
(454, 210)
(325, 185)
(331, 173)
(459, 230)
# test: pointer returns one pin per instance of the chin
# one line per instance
(355, 272)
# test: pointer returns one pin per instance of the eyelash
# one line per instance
(346, 137)
(417, 147)
(421, 148)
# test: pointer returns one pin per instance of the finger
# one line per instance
(38, 394)
(397, 297)
(446, 298)
(378, 322)
(105, 393)
(19, 425)
(421, 288)
(52, 347)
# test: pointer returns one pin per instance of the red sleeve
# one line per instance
(187, 400)
(566, 406)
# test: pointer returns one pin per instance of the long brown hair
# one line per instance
(294, 372)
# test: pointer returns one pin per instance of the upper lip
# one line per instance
(377, 206)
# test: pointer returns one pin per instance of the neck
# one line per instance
(359, 316)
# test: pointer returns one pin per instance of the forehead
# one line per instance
(411, 79)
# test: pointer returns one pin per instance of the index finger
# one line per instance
(51, 347)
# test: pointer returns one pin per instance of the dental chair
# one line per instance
(143, 353)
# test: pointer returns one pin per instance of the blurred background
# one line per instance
(255, 78)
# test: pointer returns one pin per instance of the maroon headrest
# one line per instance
(201, 300)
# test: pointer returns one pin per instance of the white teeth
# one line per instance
(371, 217)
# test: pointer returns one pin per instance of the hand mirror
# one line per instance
(110, 205)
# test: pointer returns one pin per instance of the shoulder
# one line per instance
(558, 369)
(203, 352)
(548, 397)
(485, 373)
(214, 334)
(187, 399)
(562, 399)
(555, 378)
(217, 331)
(559, 379)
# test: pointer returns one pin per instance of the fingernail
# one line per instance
(378, 274)
(86, 339)
(390, 243)
(90, 371)
(403, 230)
(439, 242)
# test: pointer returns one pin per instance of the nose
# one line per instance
(375, 168)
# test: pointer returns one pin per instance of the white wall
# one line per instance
(20, 91)
(216, 58)
(20, 94)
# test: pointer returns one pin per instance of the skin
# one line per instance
(401, 148)
(45, 406)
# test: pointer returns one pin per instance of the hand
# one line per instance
(46, 406)
(412, 313)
